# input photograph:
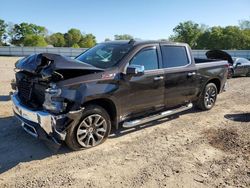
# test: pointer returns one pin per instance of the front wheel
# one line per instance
(208, 97)
(92, 130)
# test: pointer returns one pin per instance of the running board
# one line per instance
(130, 124)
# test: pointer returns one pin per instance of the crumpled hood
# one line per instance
(35, 63)
(219, 54)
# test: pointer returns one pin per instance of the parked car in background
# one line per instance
(238, 66)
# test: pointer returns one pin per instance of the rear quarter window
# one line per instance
(174, 56)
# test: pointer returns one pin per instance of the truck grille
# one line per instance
(25, 90)
(31, 94)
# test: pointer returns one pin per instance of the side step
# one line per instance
(129, 124)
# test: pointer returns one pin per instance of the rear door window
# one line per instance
(174, 56)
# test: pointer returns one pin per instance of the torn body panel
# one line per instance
(48, 65)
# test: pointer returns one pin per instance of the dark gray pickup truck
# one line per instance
(117, 83)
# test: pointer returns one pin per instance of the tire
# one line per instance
(208, 97)
(92, 130)
(230, 73)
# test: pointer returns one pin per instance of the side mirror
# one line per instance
(135, 70)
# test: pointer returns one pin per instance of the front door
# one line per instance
(144, 93)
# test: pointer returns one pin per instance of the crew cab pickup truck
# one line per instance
(114, 84)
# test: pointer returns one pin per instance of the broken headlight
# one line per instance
(53, 101)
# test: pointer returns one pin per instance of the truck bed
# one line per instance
(201, 60)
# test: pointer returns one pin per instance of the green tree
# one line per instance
(211, 39)
(3, 27)
(187, 32)
(87, 41)
(56, 39)
(73, 36)
(19, 32)
(123, 37)
(75, 46)
(246, 37)
(230, 37)
(244, 24)
(34, 40)
(107, 39)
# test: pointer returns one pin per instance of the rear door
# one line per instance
(181, 79)
(146, 92)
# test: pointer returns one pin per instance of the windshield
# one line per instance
(104, 55)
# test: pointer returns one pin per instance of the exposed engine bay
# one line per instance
(38, 74)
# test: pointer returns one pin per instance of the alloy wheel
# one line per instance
(210, 97)
(91, 130)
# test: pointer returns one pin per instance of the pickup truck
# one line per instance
(112, 85)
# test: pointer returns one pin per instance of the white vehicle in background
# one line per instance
(240, 67)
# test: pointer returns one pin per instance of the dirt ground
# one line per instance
(195, 149)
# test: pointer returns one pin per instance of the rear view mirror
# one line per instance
(135, 70)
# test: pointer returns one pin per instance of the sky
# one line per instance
(144, 19)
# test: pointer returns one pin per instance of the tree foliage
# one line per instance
(3, 27)
(87, 41)
(34, 40)
(73, 36)
(56, 39)
(28, 34)
(244, 24)
(198, 36)
(123, 37)
(187, 32)
(75, 46)
(19, 32)
(203, 37)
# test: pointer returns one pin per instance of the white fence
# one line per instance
(24, 51)
(72, 52)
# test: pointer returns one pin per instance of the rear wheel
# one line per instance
(92, 130)
(230, 73)
(208, 98)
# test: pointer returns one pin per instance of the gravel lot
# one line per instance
(195, 149)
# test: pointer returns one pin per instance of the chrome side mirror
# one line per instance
(135, 70)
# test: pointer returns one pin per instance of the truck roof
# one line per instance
(142, 42)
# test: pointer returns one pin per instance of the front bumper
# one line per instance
(40, 124)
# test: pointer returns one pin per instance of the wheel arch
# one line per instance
(217, 82)
(109, 106)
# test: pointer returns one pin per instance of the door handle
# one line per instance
(191, 73)
(158, 78)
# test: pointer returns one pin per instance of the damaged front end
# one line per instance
(44, 108)
(44, 125)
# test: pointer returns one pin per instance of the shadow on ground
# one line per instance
(240, 117)
(17, 146)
